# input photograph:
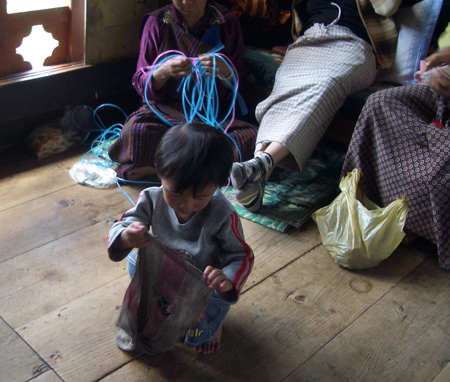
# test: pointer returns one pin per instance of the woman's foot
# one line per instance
(139, 173)
(211, 346)
(251, 195)
(251, 170)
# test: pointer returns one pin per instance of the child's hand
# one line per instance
(216, 279)
(135, 236)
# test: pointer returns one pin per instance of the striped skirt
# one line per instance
(143, 131)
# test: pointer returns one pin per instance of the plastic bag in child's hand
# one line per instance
(164, 299)
(358, 233)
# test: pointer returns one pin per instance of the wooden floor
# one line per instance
(300, 316)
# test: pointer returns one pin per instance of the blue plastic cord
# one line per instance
(203, 103)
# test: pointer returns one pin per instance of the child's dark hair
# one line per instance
(194, 155)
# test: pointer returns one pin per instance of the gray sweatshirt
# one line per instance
(213, 236)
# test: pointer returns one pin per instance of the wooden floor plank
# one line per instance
(444, 375)
(300, 316)
(48, 376)
(273, 250)
(290, 316)
(50, 276)
(404, 337)
(18, 362)
(77, 339)
(303, 306)
(179, 365)
(273, 329)
(36, 223)
(76, 263)
(66, 279)
(36, 178)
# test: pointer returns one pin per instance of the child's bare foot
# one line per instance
(211, 346)
(138, 173)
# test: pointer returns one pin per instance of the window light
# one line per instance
(37, 46)
(18, 6)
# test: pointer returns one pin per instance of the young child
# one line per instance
(190, 215)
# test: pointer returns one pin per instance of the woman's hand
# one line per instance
(439, 81)
(222, 70)
(439, 58)
(435, 71)
(216, 279)
(177, 67)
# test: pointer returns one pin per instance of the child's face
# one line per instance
(185, 204)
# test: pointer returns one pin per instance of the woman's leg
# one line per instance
(334, 63)
(135, 148)
(139, 173)
(249, 178)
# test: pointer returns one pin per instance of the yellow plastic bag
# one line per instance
(358, 233)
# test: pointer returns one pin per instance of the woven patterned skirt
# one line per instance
(143, 131)
(401, 144)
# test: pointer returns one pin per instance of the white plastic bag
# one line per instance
(358, 233)
(93, 175)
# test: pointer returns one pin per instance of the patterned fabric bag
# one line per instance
(163, 301)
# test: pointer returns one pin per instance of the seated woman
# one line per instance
(193, 28)
(335, 54)
(401, 144)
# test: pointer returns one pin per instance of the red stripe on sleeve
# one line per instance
(248, 258)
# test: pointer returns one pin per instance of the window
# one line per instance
(20, 6)
(37, 36)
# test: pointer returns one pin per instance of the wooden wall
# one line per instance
(112, 28)
(111, 49)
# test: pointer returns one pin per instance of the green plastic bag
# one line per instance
(358, 233)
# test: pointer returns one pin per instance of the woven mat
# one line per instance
(290, 198)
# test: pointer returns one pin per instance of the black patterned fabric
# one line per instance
(401, 145)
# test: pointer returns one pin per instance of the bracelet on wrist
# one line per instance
(229, 78)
